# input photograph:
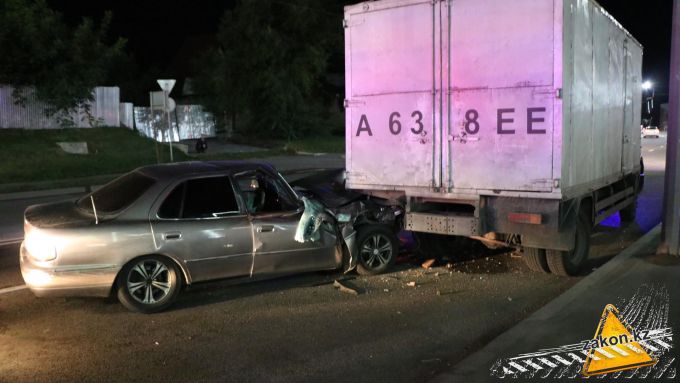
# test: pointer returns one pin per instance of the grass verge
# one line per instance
(31, 159)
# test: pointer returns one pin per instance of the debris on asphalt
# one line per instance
(386, 290)
(428, 264)
(509, 299)
(344, 288)
(411, 284)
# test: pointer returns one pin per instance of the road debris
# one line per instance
(428, 264)
(411, 284)
(344, 288)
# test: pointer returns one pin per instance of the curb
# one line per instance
(44, 193)
(470, 364)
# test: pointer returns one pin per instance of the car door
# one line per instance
(275, 212)
(201, 223)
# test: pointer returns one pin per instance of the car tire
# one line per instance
(569, 263)
(536, 260)
(149, 284)
(378, 249)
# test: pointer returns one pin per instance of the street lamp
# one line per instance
(648, 86)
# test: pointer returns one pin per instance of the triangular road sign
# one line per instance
(166, 85)
(614, 347)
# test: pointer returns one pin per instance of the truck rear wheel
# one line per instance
(568, 263)
(535, 259)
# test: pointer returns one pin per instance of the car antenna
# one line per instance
(94, 209)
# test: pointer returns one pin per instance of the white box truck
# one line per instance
(495, 118)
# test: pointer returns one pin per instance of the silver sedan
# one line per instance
(152, 231)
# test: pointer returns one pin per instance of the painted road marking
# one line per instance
(576, 357)
(562, 360)
(648, 346)
(517, 366)
(11, 241)
(662, 344)
(529, 363)
(8, 290)
(547, 362)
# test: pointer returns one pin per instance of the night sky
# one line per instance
(157, 30)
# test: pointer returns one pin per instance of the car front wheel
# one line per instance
(377, 249)
(149, 284)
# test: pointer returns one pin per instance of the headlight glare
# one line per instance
(40, 248)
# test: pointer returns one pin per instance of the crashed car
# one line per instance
(152, 231)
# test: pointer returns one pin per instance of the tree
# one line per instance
(41, 53)
(269, 62)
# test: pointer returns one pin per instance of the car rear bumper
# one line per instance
(46, 280)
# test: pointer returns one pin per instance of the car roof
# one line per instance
(179, 169)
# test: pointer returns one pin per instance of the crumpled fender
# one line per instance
(310, 222)
(309, 226)
(349, 236)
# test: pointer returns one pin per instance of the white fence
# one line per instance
(104, 111)
(127, 117)
(188, 122)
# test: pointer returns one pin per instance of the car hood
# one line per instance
(57, 215)
(328, 187)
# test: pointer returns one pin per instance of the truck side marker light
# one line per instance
(528, 218)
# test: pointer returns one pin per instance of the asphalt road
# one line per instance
(297, 328)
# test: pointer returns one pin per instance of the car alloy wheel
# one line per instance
(148, 281)
(377, 249)
(149, 284)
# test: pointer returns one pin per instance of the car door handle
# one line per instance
(265, 229)
(172, 235)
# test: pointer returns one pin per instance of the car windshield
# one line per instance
(117, 194)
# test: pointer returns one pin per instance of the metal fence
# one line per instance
(188, 122)
(127, 117)
(104, 111)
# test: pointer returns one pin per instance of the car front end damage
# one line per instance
(329, 206)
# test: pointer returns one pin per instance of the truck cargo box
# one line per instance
(457, 99)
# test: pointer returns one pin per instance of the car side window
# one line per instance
(200, 198)
(264, 194)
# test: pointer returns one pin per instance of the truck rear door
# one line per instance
(391, 138)
(452, 96)
(503, 94)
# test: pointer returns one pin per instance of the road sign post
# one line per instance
(166, 86)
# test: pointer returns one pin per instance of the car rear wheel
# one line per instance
(149, 284)
(377, 249)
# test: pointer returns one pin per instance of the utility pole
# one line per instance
(671, 206)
